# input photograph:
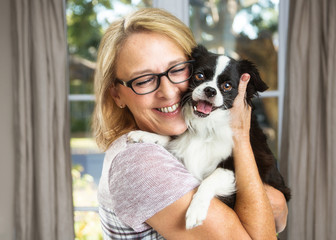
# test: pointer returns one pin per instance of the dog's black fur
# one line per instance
(205, 62)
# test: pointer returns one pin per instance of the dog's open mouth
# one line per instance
(203, 108)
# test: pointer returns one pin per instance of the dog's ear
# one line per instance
(199, 51)
(256, 84)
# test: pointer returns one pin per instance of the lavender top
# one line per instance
(138, 180)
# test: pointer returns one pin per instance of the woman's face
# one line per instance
(145, 53)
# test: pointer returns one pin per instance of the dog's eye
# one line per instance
(199, 76)
(226, 86)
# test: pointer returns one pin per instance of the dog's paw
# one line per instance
(141, 137)
(147, 137)
(229, 186)
(196, 213)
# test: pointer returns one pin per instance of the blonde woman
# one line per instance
(144, 191)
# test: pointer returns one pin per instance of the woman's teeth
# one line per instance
(169, 109)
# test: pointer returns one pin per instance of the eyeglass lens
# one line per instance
(150, 82)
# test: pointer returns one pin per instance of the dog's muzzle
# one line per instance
(203, 106)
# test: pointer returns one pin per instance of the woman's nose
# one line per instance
(167, 89)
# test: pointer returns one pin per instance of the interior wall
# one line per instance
(6, 126)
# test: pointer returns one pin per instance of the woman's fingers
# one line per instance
(241, 112)
(244, 79)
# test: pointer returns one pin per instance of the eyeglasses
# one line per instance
(150, 82)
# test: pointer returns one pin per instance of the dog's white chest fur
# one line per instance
(203, 149)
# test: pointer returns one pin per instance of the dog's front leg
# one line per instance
(220, 183)
(147, 137)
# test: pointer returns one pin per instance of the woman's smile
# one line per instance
(169, 109)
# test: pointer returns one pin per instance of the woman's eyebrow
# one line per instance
(149, 71)
(140, 73)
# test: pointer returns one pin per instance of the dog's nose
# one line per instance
(210, 92)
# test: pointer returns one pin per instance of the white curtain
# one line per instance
(309, 132)
(43, 201)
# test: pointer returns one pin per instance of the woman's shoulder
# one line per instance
(143, 177)
(122, 149)
(127, 161)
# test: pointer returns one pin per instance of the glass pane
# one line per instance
(81, 112)
(266, 110)
(87, 161)
(81, 75)
(86, 169)
(241, 29)
(87, 226)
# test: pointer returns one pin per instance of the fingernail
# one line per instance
(246, 77)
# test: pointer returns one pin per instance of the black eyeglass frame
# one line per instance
(159, 75)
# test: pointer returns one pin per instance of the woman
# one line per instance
(144, 191)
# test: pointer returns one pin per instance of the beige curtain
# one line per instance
(43, 167)
(309, 133)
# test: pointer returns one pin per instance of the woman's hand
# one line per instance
(279, 207)
(241, 112)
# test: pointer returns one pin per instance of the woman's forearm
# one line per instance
(252, 205)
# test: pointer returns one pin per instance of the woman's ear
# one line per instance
(116, 97)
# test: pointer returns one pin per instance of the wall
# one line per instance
(6, 126)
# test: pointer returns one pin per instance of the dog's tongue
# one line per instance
(204, 107)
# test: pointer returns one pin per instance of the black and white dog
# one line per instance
(205, 149)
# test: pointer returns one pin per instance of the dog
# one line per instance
(206, 147)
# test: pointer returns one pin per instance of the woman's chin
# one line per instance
(173, 131)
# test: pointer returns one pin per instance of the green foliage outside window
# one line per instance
(84, 31)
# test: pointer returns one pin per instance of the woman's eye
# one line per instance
(177, 70)
(226, 86)
(144, 81)
(199, 76)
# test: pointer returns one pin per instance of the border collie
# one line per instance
(206, 147)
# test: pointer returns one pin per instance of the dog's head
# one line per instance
(214, 84)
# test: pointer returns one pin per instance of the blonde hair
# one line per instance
(109, 121)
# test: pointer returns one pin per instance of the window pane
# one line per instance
(81, 72)
(81, 112)
(87, 226)
(87, 161)
(240, 29)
